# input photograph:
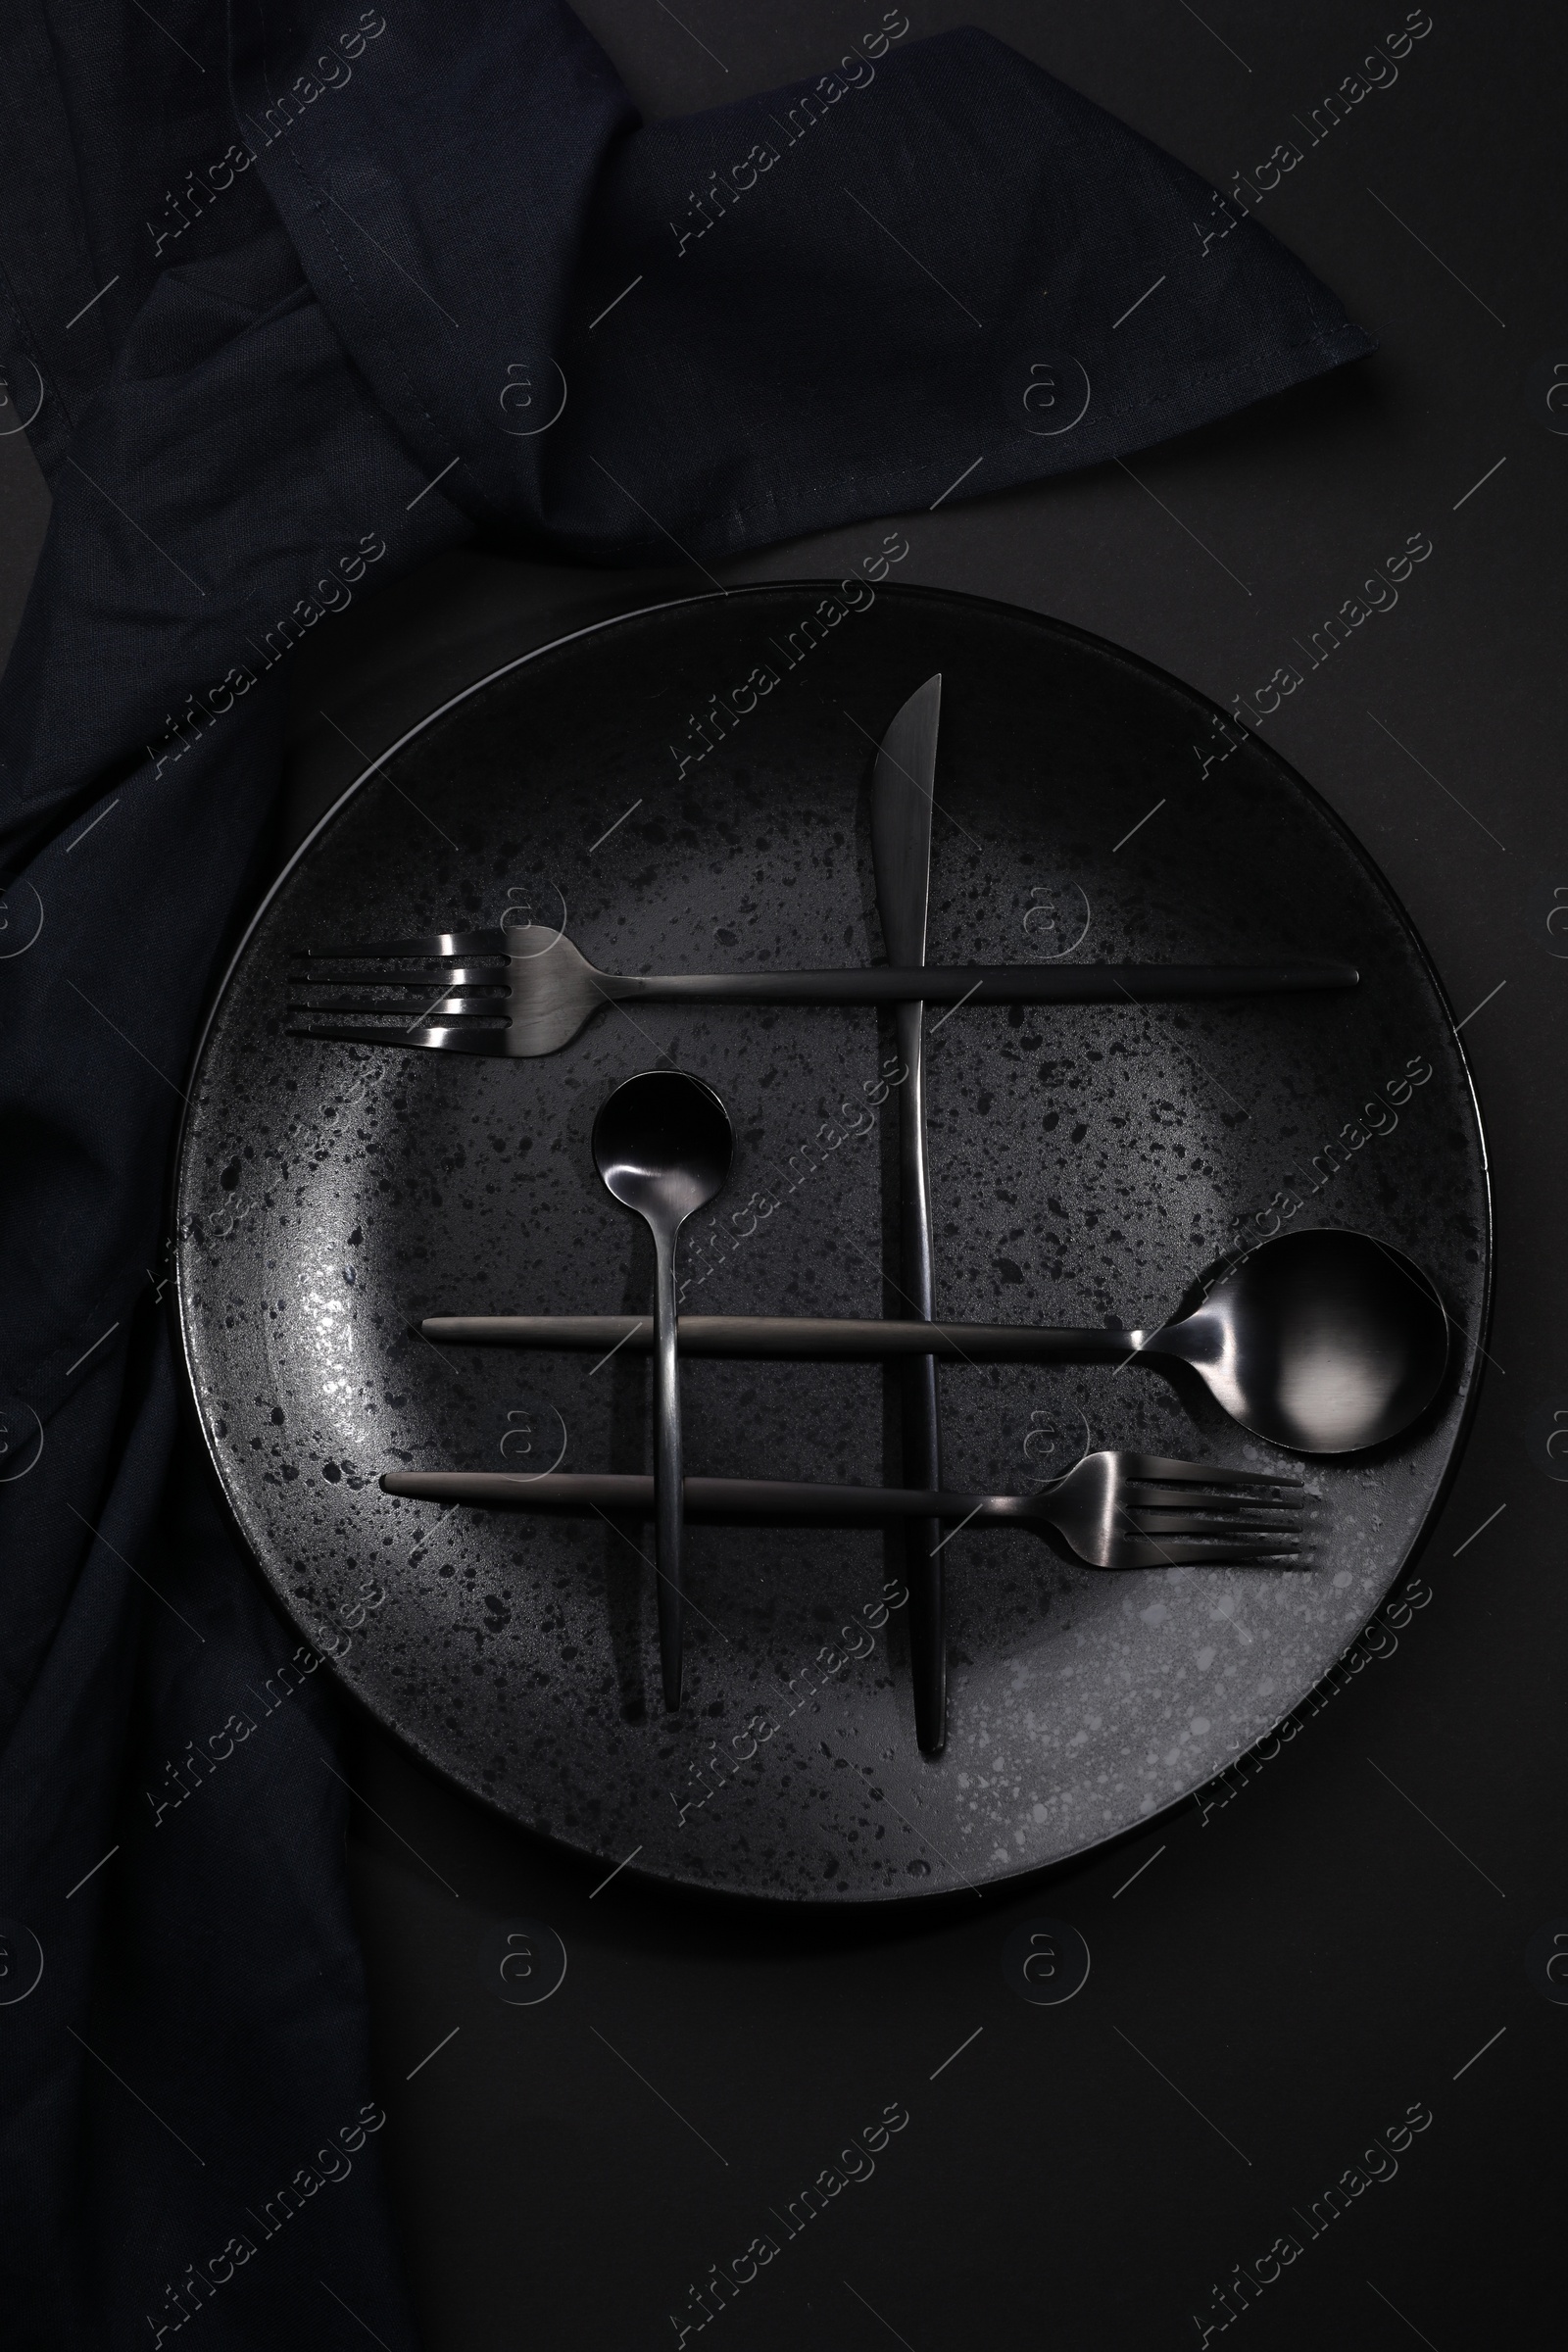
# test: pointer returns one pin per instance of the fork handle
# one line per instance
(986, 984)
(774, 1499)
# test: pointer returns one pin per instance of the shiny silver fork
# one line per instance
(1114, 1510)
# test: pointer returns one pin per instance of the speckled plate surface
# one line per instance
(1088, 1164)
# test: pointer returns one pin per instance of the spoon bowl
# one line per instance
(1324, 1341)
(662, 1144)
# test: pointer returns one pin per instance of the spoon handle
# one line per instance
(803, 1339)
(667, 1503)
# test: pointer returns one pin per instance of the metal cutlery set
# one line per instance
(1320, 1342)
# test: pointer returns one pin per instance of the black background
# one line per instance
(1292, 1971)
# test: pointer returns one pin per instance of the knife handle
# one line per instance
(921, 1427)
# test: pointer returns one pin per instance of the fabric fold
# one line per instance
(291, 299)
(653, 335)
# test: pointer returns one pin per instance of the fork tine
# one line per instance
(1132, 1552)
(435, 976)
(1217, 1503)
(1242, 1510)
(433, 943)
(1227, 1527)
(439, 1041)
(422, 1008)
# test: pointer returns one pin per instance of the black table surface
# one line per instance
(1329, 1971)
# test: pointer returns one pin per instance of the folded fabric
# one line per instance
(291, 301)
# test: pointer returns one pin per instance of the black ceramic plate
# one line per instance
(1088, 1164)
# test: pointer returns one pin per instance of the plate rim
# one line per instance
(860, 1900)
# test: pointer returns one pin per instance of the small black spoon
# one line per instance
(662, 1144)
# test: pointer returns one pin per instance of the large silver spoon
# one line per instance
(1325, 1342)
(662, 1144)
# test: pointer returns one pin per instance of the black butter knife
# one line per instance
(900, 855)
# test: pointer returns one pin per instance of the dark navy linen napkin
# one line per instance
(290, 300)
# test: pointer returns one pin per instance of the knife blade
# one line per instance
(901, 857)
